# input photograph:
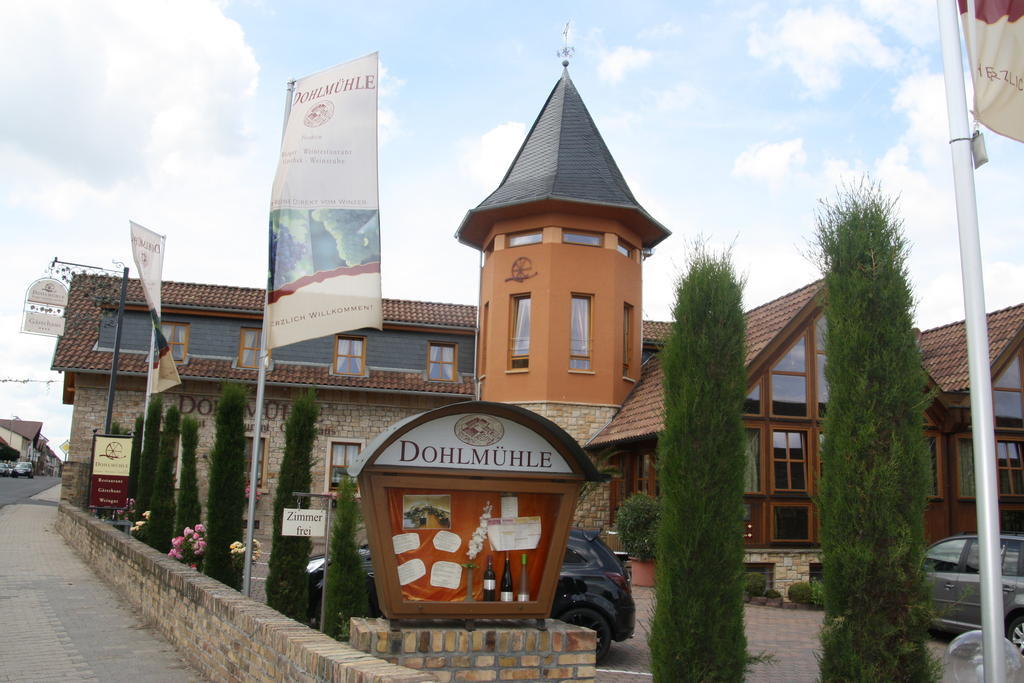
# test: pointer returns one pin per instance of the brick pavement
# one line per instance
(789, 636)
(62, 623)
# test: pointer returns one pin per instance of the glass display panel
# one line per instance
(794, 360)
(791, 523)
(1010, 379)
(587, 239)
(1008, 409)
(524, 238)
(789, 395)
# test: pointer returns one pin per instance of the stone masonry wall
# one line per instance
(503, 652)
(349, 416)
(790, 565)
(220, 632)
(582, 422)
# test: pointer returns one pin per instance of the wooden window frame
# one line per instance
(331, 467)
(819, 376)
(362, 355)
(960, 440)
(454, 364)
(584, 235)
(262, 471)
(518, 362)
(1020, 468)
(1018, 390)
(936, 466)
(165, 325)
(586, 359)
(527, 237)
(759, 458)
(806, 462)
(627, 339)
(808, 393)
(242, 348)
(777, 505)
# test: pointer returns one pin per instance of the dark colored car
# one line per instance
(592, 590)
(23, 469)
(953, 570)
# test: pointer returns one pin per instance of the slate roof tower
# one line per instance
(563, 239)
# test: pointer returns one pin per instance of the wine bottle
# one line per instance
(506, 581)
(524, 583)
(490, 581)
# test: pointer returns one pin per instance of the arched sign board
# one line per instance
(445, 491)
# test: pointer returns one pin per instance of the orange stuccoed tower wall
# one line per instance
(563, 241)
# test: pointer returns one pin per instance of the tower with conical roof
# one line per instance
(563, 240)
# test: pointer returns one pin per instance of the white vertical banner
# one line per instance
(995, 45)
(324, 219)
(148, 253)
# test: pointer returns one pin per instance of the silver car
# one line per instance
(952, 567)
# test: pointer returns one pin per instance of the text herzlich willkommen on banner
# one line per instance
(148, 253)
(324, 223)
(997, 64)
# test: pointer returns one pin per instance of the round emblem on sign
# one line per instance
(319, 114)
(479, 430)
(114, 451)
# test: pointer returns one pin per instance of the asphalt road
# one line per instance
(20, 490)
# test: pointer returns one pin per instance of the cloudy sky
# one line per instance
(730, 122)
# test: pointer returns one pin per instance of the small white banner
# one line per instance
(298, 522)
(43, 323)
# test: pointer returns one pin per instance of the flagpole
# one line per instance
(987, 500)
(261, 382)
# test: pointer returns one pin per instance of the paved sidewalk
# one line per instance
(61, 622)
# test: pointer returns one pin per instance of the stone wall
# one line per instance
(349, 416)
(790, 565)
(505, 652)
(582, 422)
(220, 632)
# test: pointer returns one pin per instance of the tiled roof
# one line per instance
(766, 321)
(944, 349)
(563, 159)
(641, 414)
(75, 350)
(28, 429)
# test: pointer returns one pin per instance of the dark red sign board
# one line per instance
(107, 491)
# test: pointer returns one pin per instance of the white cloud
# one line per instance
(770, 162)
(486, 159)
(615, 64)
(676, 98)
(816, 45)
(906, 17)
(922, 97)
(143, 84)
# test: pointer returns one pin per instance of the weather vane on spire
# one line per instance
(566, 52)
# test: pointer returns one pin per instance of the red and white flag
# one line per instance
(148, 252)
(995, 46)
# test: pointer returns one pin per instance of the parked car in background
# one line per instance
(23, 469)
(592, 590)
(952, 567)
(5, 469)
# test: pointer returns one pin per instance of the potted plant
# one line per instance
(637, 524)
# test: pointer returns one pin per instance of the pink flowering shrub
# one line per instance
(190, 547)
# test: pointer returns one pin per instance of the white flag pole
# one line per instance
(987, 498)
(261, 382)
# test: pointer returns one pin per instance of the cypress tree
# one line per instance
(287, 584)
(133, 468)
(345, 590)
(150, 454)
(187, 511)
(697, 631)
(161, 520)
(225, 503)
(875, 460)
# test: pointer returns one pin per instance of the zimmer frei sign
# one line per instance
(111, 465)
